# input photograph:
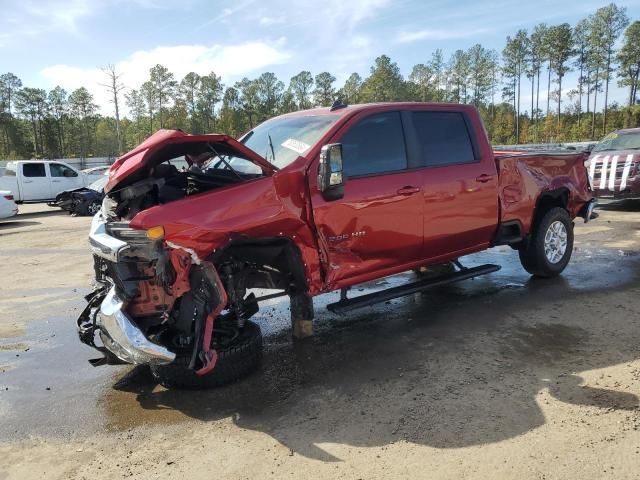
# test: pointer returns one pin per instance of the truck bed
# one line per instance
(524, 176)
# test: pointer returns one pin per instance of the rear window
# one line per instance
(10, 171)
(33, 170)
(443, 138)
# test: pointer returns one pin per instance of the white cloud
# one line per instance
(29, 18)
(268, 21)
(229, 61)
(437, 34)
(354, 11)
(224, 15)
(37, 17)
(58, 15)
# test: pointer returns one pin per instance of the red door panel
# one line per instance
(459, 182)
(378, 224)
(460, 208)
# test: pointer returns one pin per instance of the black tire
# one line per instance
(234, 362)
(532, 253)
(93, 207)
(73, 208)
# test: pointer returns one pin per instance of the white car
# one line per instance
(39, 181)
(8, 207)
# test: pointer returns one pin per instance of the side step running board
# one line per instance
(348, 304)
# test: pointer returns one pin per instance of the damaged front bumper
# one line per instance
(105, 312)
(122, 338)
(139, 281)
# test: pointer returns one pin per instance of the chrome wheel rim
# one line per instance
(555, 242)
(93, 208)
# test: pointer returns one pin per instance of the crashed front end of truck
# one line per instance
(159, 303)
(140, 279)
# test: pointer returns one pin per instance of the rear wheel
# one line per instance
(237, 357)
(549, 249)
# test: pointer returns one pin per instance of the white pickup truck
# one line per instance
(35, 181)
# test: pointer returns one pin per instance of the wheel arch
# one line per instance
(278, 253)
(546, 201)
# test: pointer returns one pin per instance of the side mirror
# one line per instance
(330, 178)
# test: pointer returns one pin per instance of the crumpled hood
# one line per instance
(148, 153)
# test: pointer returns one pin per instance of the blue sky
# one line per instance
(65, 42)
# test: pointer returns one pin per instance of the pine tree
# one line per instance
(629, 60)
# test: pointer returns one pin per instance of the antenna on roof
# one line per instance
(337, 105)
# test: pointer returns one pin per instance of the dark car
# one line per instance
(83, 200)
(613, 165)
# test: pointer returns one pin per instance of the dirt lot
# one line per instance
(499, 377)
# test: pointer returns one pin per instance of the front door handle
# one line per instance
(408, 190)
(484, 178)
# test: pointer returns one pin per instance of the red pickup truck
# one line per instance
(307, 203)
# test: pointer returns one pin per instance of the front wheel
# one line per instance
(548, 251)
(93, 207)
(238, 355)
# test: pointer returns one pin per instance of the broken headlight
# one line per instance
(122, 231)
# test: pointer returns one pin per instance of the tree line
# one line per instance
(533, 65)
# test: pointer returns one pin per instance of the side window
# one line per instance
(374, 145)
(443, 138)
(33, 170)
(59, 170)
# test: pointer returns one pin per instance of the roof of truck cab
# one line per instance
(341, 110)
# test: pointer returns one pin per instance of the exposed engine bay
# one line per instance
(167, 183)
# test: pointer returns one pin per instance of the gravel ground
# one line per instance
(499, 377)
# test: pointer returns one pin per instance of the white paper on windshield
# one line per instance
(295, 145)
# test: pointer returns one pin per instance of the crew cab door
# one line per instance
(63, 178)
(377, 224)
(459, 183)
(34, 181)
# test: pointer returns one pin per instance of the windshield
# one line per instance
(283, 139)
(619, 141)
(99, 184)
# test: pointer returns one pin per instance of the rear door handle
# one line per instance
(484, 178)
(408, 190)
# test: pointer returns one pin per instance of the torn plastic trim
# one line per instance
(194, 256)
(124, 339)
